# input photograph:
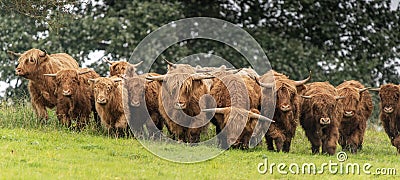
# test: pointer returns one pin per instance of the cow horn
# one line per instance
(363, 89)
(375, 89)
(233, 71)
(299, 83)
(137, 64)
(339, 97)
(117, 80)
(92, 80)
(107, 60)
(306, 97)
(50, 75)
(85, 72)
(259, 117)
(14, 53)
(170, 63)
(156, 78)
(41, 54)
(201, 76)
(216, 110)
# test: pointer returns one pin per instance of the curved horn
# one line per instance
(156, 78)
(14, 53)
(339, 97)
(50, 75)
(84, 72)
(299, 83)
(44, 51)
(137, 64)
(375, 89)
(216, 110)
(170, 63)
(363, 89)
(117, 80)
(92, 80)
(107, 60)
(306, 97)
(201, 76)
(259, 117)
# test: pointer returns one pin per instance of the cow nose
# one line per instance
(348, 113)
(18, 71)
(135, 103)
(325, 121)
(285, 107)
(180, 105)
(67, 92)
(388, 109)
(101, 100)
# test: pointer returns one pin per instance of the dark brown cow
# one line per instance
(32, 64)
(357, 108)
(320, 116)
(287, 109)
(108, 97)
(179, 102)
(75, 100)
(390, 112)
(237, 126)
(142, 103)
(119, 68)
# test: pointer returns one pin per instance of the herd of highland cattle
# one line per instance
(180, 101)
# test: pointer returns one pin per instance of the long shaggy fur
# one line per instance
(32, 64)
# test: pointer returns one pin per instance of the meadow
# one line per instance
(31, 150)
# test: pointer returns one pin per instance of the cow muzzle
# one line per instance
(67, 92)
(348, 113)
(135, 103)
(388, 109)
(325, 121)
(101, 100)
(285, 108)
(19, 72)
(180, 105)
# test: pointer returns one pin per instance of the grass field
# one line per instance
(30, 150)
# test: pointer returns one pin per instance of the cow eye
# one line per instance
(31, 60)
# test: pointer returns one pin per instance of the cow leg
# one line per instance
(37, 101)
(354, 142)
(329, 145)
(286, 144)
(277, 136)
(270, 143)
(314, 140)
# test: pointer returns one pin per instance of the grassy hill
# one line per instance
(30, 150)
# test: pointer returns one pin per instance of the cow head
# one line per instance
(323, 106)
(67, 81)
(351, 100)
(104, 89)
(29, 63)
(238, 122)
(389, 95)
(121, 67)
(180, 86)
(136, 89)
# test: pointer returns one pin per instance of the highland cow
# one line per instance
(287, 109)
(108, 97)
(320, 116)
(389, 112)
(357, 108)
(119, 68)
(75, 99)
(32, 64)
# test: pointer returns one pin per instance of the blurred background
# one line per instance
(336, 39)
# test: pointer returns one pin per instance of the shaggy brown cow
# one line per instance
(108, 97)
(320, 116)
(119, 68)
(233, 91)
(75, 100)
(179, 102)
(141, 102)
(357, 106)
(390, 112)
(234, 119)
(32, 64)
(287, 109)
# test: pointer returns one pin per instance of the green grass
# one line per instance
(30, 150)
